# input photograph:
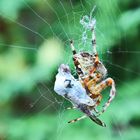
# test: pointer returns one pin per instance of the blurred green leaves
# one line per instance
(10, 8)
(50, 54)
(16, 75)
(134, 21)
(28, 65)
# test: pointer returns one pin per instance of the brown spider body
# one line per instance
(92, 73)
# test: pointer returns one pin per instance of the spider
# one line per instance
(91, 73)
(85, 93)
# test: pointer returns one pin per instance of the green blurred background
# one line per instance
(34, 41)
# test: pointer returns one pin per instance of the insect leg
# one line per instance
(77, 119)
(85, 109)
(93, 118)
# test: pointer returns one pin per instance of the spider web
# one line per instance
(62, 24)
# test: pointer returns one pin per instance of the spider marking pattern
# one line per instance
(85, 93)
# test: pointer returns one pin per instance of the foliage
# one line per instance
(34, 40)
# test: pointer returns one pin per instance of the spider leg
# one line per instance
(77, 119)
(72, 47)
(76, 63)
(93, 41)
(101, 86)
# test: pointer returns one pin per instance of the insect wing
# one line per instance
(97, 121)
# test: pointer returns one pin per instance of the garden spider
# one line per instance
(91, 73)
(85, 94)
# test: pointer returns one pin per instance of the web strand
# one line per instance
(72, 16)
